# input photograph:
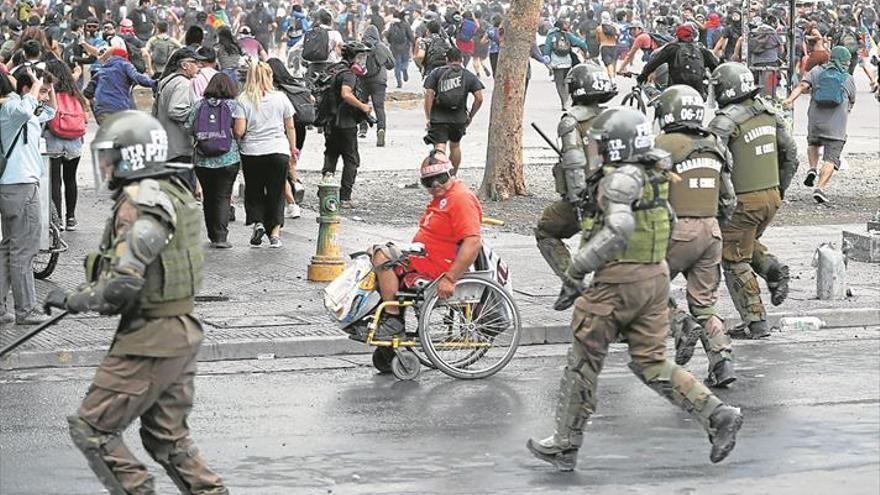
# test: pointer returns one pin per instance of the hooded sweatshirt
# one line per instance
(113, 85)
(380, 54)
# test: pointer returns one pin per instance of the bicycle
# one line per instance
(640, 95)
(47, 259)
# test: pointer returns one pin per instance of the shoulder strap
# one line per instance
(14, 141)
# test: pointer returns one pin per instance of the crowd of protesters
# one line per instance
(257, 67)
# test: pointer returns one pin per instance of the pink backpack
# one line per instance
(70, 117)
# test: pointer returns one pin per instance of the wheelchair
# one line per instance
(471, 335)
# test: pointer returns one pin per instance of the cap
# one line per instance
(187, 52)
(244, 30)
(207, 53)
(126, 23)
(433, 165)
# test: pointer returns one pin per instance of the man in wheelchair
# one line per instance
(450, 231)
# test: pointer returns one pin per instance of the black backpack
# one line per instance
(316, 45)
(326, 92)
(396, 34)
(451, 93)
(688, 65)
(435, 53)
(300, 97)
(135, 57)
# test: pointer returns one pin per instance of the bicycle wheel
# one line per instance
(473, 334)
(45, 261)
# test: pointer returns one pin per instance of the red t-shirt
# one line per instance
(445, 223)
(644, 42)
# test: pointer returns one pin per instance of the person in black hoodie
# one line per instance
(375, 81)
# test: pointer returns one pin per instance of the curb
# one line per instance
(330, 346)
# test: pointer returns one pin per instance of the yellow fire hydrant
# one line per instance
(327, 263)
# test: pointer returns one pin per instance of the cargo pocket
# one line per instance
(117, 395)
(595, 327)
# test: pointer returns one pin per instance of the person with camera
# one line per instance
(22, 116)
(341, 132)
(446, 96)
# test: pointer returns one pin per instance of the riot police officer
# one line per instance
(765, 161)
(148, 271)
(589, 86)
(703, 191)
(626, 230)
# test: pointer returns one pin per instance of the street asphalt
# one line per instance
(333, 426)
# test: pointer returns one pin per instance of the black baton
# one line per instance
(28, 336)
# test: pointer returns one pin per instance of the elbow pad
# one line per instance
(113, 295)
(574, 160)
(610, 240)
(144, 242)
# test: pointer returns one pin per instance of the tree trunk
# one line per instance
(503, 176)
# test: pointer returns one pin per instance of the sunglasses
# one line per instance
(435, 180)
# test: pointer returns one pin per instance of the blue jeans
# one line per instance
(401, 65)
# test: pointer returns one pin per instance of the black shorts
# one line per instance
(443, 133)
(609, 55)
(831, 149)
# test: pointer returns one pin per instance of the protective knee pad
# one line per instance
(95, 445)
(744, 290)
(678, 387)
(171, 455)
(555, 253)
(577, 399)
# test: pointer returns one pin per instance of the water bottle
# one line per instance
(801, 323)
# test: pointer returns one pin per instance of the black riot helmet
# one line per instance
(618, 135)
(129, 146)
(732, 82)
(589, 84)
(679, 106)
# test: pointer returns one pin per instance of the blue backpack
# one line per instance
(212, 128)
(467, 30)
(828, 89)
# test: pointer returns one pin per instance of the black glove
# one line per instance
(569, 292)
(57, 298)
(640, 79)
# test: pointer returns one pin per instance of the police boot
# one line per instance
(563, 458)
(687, 332)
(724, 424)
(721, 374)
(777, 282)
(753, 330)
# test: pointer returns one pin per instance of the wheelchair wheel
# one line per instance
(473, 334)
(382, 357)
(405, 365)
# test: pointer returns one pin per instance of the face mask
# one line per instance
(358, 70)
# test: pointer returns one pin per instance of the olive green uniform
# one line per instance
(149, 370)
(702, 167)
(765, 161)
(561, 219)
(628, 298)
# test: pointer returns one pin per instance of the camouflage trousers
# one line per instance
(638, 312)
(558, 221)
(744, 256)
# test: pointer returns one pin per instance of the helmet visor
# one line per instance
(104, 159)
(594, 156)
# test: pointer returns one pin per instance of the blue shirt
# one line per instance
(25, 165)
(113, 85)
(285, 25)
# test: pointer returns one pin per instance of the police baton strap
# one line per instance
(32, 333)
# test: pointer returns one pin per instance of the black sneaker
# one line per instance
(259, 232)
(390, 326)
(724, 424)
(811, 178)
(820, 197)
(71, 224)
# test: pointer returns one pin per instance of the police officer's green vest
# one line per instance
(697, 161)
(648, 242)
(583, 127)
(173, 279)
(753, 146)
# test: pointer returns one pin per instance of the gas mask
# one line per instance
(358, 66)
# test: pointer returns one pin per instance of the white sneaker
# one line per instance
(293, 211)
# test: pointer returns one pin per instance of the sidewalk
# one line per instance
(256, 303)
